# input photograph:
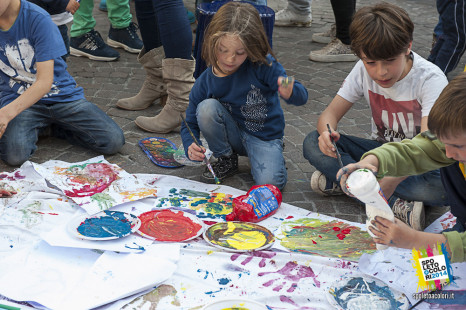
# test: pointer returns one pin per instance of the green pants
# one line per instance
(119, 16)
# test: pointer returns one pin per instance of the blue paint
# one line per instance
(206, 272)
(365, 295)
(113, 224)
(223, 281)
(137, 247)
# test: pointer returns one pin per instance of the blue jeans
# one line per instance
(451, 44)
(80, 122)
(225, 138)
(165, 23)
(426, 187)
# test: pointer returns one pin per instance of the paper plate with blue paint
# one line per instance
(235, 304)
(106, 225)
(160, 151)
(365, 293)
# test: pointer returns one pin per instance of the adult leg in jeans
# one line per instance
(451, 45)
(83, 123)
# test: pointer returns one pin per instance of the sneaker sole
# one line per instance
(293, 24)
(418, 213)
(116, 44)
(332, 58)
(78, 53)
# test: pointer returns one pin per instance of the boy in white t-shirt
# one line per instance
(401, 88)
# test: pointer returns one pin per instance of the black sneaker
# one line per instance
(92, 46)
(225, 167)
(126, 38)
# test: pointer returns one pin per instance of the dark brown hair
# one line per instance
(381, 31)
(448, 115)
(240, 19)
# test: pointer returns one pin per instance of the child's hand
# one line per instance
(72, 6)
(285, 86)
(370, 162)
(396, 234)
(326, 145)
(195, 152)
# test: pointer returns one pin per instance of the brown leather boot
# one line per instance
(178, 75)
(153, 88)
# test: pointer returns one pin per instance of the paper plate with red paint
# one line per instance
(106, 225)
(239, 236)
(170, 225)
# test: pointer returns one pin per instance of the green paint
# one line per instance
(31, 215)
(315, 236)
(191, 193)
(173, 201)
(105, 201)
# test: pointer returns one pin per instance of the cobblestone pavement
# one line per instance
(106, 82)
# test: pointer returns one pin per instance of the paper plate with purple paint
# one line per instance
(160, 151)
(235, 304)
(365, 293)
(106, 225)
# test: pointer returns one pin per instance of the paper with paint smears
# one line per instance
(331, 238)
(106, 225)
(170, 225)
(239, 236)
(365, 293)
(235, 304)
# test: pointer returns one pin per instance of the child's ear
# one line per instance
(408, 51)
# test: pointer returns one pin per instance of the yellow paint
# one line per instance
(209, 252)
(247, 240)
(230, 228)
(135, 195)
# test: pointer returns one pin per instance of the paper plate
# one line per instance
(160, 151)
(106, 225)
(181, 158)
(170, 225)
(239, 236)
(235, 304)
(365, 293)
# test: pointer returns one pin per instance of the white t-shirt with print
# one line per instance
(396, 111)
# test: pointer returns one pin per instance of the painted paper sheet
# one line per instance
(279, 280)
(66, 278)
(94, 184)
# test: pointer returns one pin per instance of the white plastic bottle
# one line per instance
(363, 185)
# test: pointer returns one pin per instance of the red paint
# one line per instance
(320, 236)
(289, 217)
(336, 228)
(166, 225)
(314, 242)
(346, 231)
(341, 236)
(95, 178)
(210, 222)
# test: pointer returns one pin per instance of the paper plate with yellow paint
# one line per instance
(235, 304)
(239, 236)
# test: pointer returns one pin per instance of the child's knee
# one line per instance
(114, 143)
(311, 144)
(207, 110)
(16, 156)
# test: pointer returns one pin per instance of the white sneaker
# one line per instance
(335, 51)
(321, 185)
(286, 18)
(410, 212)
(325, 37)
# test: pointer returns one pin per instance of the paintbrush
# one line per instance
(209, 166)
(335, 146)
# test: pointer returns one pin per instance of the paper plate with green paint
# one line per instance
(106, 225)
(235, 304)
(239, 236)
(365, 293)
